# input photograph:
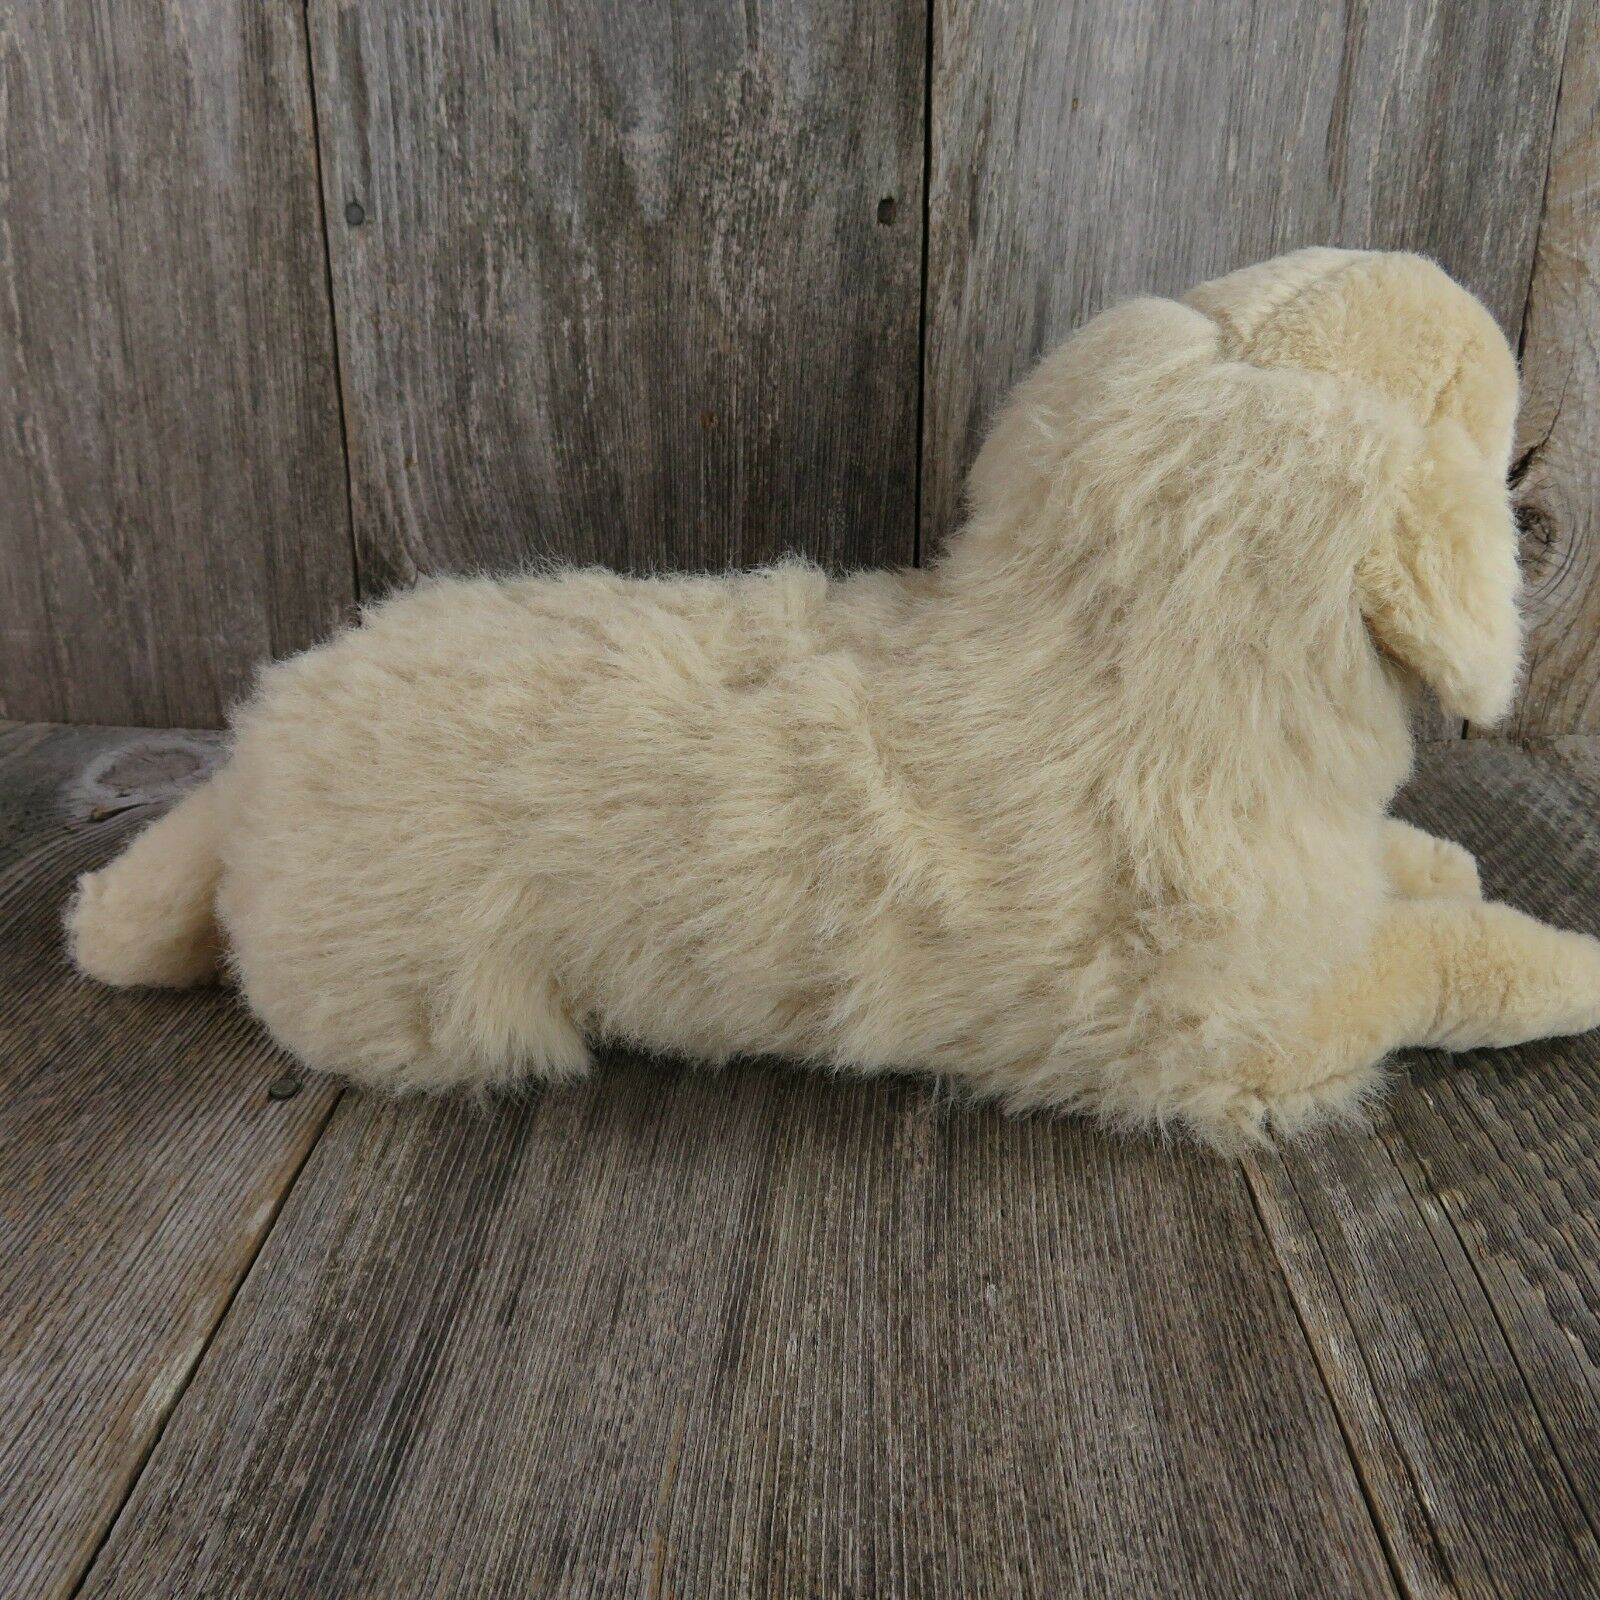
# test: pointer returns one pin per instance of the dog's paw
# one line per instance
(1228, 1119)
(1233, 1119)
(1424, 868)
(1450, 872)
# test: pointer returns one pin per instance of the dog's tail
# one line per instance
(150, 917)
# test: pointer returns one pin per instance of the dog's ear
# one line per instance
(1439, 585)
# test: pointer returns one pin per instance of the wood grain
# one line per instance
(1558, 446)
(620, 283)
(1083, 153)
(142, 1161)
(1447, 1270)
(757, 1332)
(172, 494)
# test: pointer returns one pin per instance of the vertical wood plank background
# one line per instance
(625, 283)
(1086, 152)
(1558, 464)
(299, 301)
(1182, 140)
(172, 491)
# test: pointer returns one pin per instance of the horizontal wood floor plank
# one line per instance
(1448, 1270)
(680, 1333)
(141, 1162)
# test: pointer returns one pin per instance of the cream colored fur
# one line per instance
(1091, 814)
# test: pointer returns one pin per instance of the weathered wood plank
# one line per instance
(140, 1161)
(750, 1333)
(1559, 434)
(621, 283)
(1447, 1271)
(172, 493)
(1086, 152)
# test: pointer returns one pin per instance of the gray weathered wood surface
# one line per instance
(1448, 1272)
(675, 1332)
(1559, 434)
(1085, 153)
(621, 283)
(141, 1163)
(172, 493)
(1184, 139)
(661, 286)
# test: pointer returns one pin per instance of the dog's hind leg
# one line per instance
(1448, 974)
(1419, 866)
(500, 1020)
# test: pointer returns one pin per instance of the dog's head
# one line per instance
(1439, 585)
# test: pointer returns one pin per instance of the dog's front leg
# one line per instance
(1449, 974)
(1495, 977)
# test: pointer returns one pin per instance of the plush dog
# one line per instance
(1090, 814)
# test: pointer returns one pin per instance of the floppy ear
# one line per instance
(1439, 586)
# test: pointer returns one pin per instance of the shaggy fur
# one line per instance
(1091, 814)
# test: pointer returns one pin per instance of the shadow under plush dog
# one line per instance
(1090, 814)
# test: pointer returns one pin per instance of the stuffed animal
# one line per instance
(1090, 814)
